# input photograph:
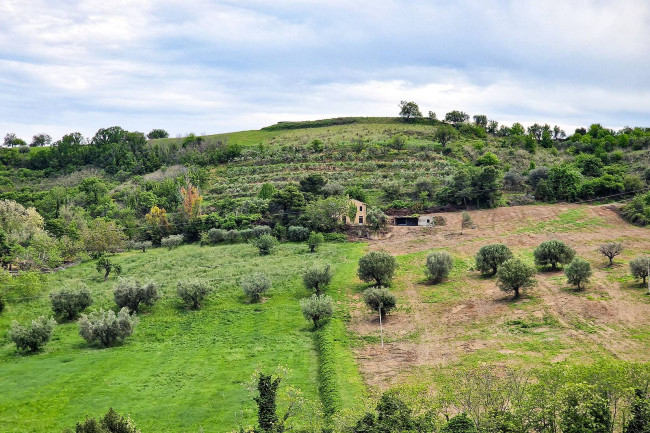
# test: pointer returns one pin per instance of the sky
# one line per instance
(217, 66)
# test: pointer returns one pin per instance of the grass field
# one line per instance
(181, 370)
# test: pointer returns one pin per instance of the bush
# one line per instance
(2, 305)
(317, 308)
(32, 337)
(131, 293)
(104, 264)
(314, 240)
(247, 234)
(297, 233)
(255, 285)
(611, 250)
(111, 423)
(377, 265)
(67, 304)
(142, 245)
(639, 268)
(376, 220)
(637, 211)
(233, 236)
(171, 241)
(376, 297)
(514, 275)
(105, 327)
(490, 257)
(552, 253)
(216, 236)
(266, 244)
(193, 292)
(438, 266)
(335, 237)
(578, 272)
(459, 424)
(260, 231)
(317, 278)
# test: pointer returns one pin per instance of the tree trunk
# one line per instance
(516, 292)
(108, 271)
(611, 261)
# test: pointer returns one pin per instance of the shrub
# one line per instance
(578, 272)
(314, 240)
(32, 337)
(377, 265)
(280, 232)
(490, 257)
(317, 308)
(104, 264)
(459, 424)
(247, 234)
(131, 293)
(266, 244)
(317, 278)
(171, 241)
(552, 253)
(637, 211)
(376, 220)
(2, 305)
(67, 304)
(466, 221)
(142, 245)
(260, 231)
(379, 297)
(255, 285)
(297, 233)
(611, 250)
(334, 237)
(105, 327)
(514, 275)
(111, 423)
(216, 235)
(193, 292)
(233, 236)
(438, 266)
(639, 267)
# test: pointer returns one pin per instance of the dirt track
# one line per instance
(610, 318)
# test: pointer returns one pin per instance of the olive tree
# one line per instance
(105, 327)
(314, 240)
(639, 267)
(409, 110)
(171, 241)
(34, 336)
(67, 303)
(490, 257)
(438, 266)
(265, 244)
(193, 292)
(578, 272)
(379, 299)
(104, 264)
(317, 308)
(611, 250)
(378, 266)
(552, 253)
(317, 278)
(514, 275)
(254, 285)
(131, 293)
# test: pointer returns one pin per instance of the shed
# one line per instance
(406, 221)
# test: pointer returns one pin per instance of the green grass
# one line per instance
(181, 370)
(568, 221)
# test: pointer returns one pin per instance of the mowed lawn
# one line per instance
(181, 370)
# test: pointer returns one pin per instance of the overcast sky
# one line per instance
(217, 66)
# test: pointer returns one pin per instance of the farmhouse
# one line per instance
(360, 217)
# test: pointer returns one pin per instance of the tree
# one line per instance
(191, 199)
(379, 299)
(104, 264)
(193, 292)
(254, 285)
(142, 245)
(158, 226)
(639, 268)
(378, 266)
(466, 222)
(445, 133)
(40, 140)
(514, 275)
(317, 308)
(438, 266)
(314, 240)
(130, 293)
(265, 244)
(552, 253)
(409, 110)
(317, 278)
(327, 214)
(105, 327)
(34, 336)
(171, 241)
(481, 120)
(376, 220)
(312, 184)
(456, 116)
(611, 250)
(432, 116)
(297, 233)
(584, 412)
(112, 422)
(490, 257)
(8, 249)
(266, 191)
(157, 133)
(640, 419)
(267, 417)
(578, 272)
(459, 424)
(102, 237)
(67, 303)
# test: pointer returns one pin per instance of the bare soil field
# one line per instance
(468, 321)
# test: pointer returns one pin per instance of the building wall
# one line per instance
(361, 213)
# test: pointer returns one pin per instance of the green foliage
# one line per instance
(317, 278)
(67, 303)
(317, 308)
(193, 292)
(266, 191)
(327, 214)
(459, 424)
(157, 133)
(578, 272)
(392, 190)
(393, 415)
(298, 234)
(267, 417)
(611, 250)
(34, 336)
(105, 327)
(639, 267)
(490, 257)
(265, 244)
(398, 142)
(378, 266)
(376, 220)
(409, 110)
(314, 240)
(104, 264)
(112, 422)
(514, 275)
(312, 184)
(456, 116)
(255, 285)
(563, 183)
(131, 293)
(640, 420)
(466, 221)
(356, 192)
(142, 245)
(552, 253)
(585, 412)
(171, 241)
(379, 299)
(438, 266)
(637, 211)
